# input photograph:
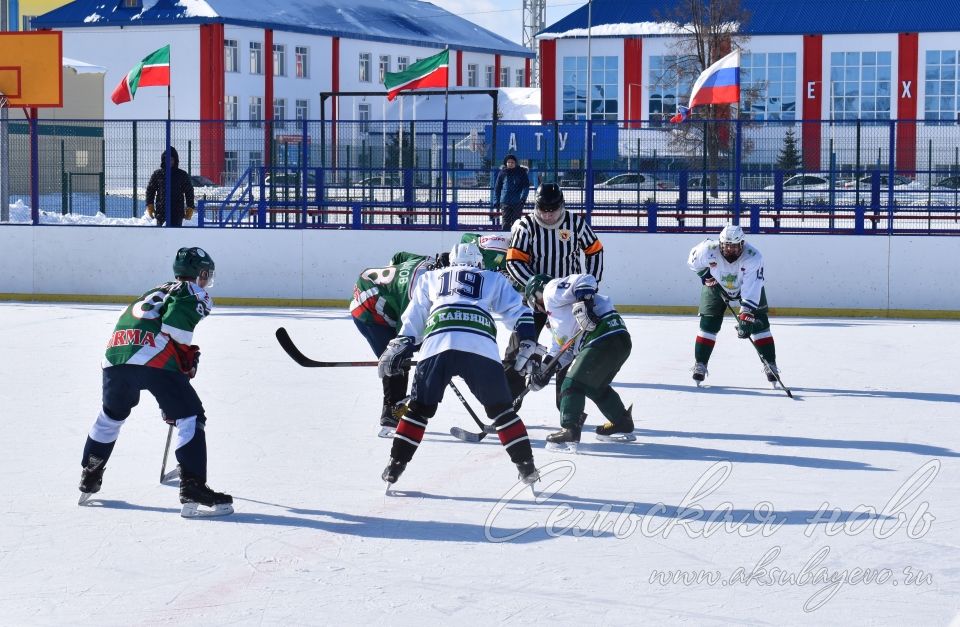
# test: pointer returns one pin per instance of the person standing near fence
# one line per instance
(510, 191)
(548, 241)
(181, 207)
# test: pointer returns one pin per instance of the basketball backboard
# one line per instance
(31, 72)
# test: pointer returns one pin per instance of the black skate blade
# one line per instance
(196, 510)
(569, 448)
(85, 497)
(466, 436)
(387, 432)
(172, 477)
(617, 437)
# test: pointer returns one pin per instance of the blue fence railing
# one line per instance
(793, 177)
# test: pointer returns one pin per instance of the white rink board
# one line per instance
(811, 271)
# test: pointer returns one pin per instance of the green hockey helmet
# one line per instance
(533, 292)
(193, 261)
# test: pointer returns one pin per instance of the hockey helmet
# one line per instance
(192, 262)
(533, 292)
(493, 249)
(549, 204)
(466, 255)
(731, 242)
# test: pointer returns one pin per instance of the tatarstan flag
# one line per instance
(153, 71)
(429, 72)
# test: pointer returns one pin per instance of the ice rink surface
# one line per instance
(736, 505)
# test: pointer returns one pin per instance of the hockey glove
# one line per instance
(746, 322)
(529, 356)
(150, 210)
(583, 312)
(706, 277)
(539, 377)
(391, 361)
(188, 358)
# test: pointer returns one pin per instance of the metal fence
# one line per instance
(804, 177)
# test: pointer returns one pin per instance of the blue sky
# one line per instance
(505, 17)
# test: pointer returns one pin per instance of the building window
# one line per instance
(860, 85)
(256, 57)
(488, 76)
(504, 77)
(769, 86)
(131, 4)
(230, 165)
(279, 60)
(941, 100)
(231, 110)
(604, 95)
(255, 159)
(363, 114)
(231, 56)
(402, 63)
(364, 67)
(384, 66)
(279, 111)
(473, 70)
(256, 110)
(303, 109)
(302, 62)
(671, 79)
(521, 78)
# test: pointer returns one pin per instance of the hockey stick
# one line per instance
(291, 349)
(726, 300)
(175, 473)
(552, 368)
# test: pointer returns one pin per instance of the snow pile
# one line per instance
(20, 214)
(196, 8)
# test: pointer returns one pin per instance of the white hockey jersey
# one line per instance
(451, 309)
(559, 296)
(742, 280)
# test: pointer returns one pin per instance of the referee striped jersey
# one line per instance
(554, 251)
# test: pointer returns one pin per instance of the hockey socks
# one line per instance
(102, 438)
(706, 337)
(763, 340)
(192, 447)
(513, 436)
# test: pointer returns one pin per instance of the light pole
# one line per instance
(589, 113)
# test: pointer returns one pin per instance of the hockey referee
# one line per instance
(548, 241)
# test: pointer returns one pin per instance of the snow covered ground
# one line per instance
(871, 442)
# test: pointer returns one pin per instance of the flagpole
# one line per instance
(446, 134)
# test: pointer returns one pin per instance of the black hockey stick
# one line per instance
(766, 365)
(551, 367)
(461, 434)
(291, 349)
(175, 473)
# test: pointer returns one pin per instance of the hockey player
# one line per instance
(572, 304)
(450, 313)
(736, 268)
(151, 349)
(381, 294)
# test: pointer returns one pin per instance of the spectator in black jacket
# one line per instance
(180, 186)
(511, 190)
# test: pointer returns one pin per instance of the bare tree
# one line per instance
(706, 30)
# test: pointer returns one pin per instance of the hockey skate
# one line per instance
(699, 372)
(528, 472)
(770, 369)
(564, 441)
(194, 493)
(388, 426)
(393, 471)
(621, 431)
(91, 478)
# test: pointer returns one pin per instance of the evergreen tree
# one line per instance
(789, 158)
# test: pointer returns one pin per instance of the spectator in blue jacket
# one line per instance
(511, 190)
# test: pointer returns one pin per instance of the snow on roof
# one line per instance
(81, 67)
(408, 22)
(617, 30)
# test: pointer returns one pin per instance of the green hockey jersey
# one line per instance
(155, 329)
(381, 294)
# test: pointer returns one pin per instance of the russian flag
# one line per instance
(719, 84)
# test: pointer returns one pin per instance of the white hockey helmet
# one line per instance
(466, 255)
(731, 242)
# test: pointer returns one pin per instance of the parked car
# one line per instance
(802, 182)
(202, 181)
(950, 182)
(289, 179)
(697, 182)
(633, 181)
(380, 180)
(899, 182)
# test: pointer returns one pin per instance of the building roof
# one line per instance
(407, 22)
(772, 17)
